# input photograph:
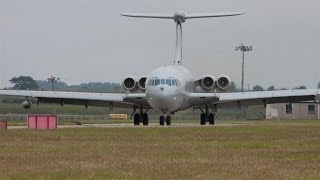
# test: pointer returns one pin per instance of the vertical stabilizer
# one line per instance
(178, 58)
(179, 18)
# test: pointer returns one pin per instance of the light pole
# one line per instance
(53, 80)
(243, 49)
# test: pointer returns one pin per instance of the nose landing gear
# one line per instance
(164, 119)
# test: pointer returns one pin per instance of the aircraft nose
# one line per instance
(164, 91)
(162, 98)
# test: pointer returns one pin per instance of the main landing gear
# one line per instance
(207, 117)
(144, 118)
(165, 119)
(140, 117)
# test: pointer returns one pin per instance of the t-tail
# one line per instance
(179, 18)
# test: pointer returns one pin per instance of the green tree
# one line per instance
(257, 88)
(24, 83)
(233, 87)
(271, 88)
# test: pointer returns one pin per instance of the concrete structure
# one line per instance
(305, 110)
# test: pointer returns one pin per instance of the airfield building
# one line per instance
(305, 110)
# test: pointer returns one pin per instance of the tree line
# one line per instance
(28, 83)
(235, 88)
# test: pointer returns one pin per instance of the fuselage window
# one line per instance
(157, 82)
(168, 82)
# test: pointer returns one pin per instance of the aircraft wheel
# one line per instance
(203, 119)
(168, 120)
(136, 119)
(145, 119)
(211, 118)
(161, 120)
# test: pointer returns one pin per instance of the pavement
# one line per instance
(151, 125)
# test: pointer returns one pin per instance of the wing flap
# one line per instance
(82, 98)
(269, 95)
(254, 98)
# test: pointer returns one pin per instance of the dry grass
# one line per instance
(260, 151)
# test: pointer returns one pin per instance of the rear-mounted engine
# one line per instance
(223, 82)
(132, 84)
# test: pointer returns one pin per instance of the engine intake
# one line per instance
(142, 83)
(129, 83)
(26, 104)
(223, 82)
(208, 82)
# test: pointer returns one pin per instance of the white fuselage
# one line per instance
(167, 88)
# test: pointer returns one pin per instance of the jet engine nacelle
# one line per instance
(142, 83)
(133, 83)
(208, 82)
(129, 83)
(223, 82)
(26, 104)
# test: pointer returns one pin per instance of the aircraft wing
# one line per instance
(253, 98)
(83, 98)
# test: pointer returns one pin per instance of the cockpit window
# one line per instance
(157, 82)
(169, 82)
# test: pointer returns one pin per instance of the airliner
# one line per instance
(170, 89)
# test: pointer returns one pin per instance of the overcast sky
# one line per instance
(87, 40)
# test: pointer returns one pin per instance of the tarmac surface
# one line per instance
(151, 125)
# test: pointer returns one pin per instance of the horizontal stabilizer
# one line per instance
(208, 15)
(143, 15)
(180, 15)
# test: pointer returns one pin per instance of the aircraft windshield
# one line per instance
(169, 82)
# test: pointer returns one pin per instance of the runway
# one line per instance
(151, 125)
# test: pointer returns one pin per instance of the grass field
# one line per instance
(250, 150)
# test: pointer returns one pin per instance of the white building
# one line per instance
(305, 110)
